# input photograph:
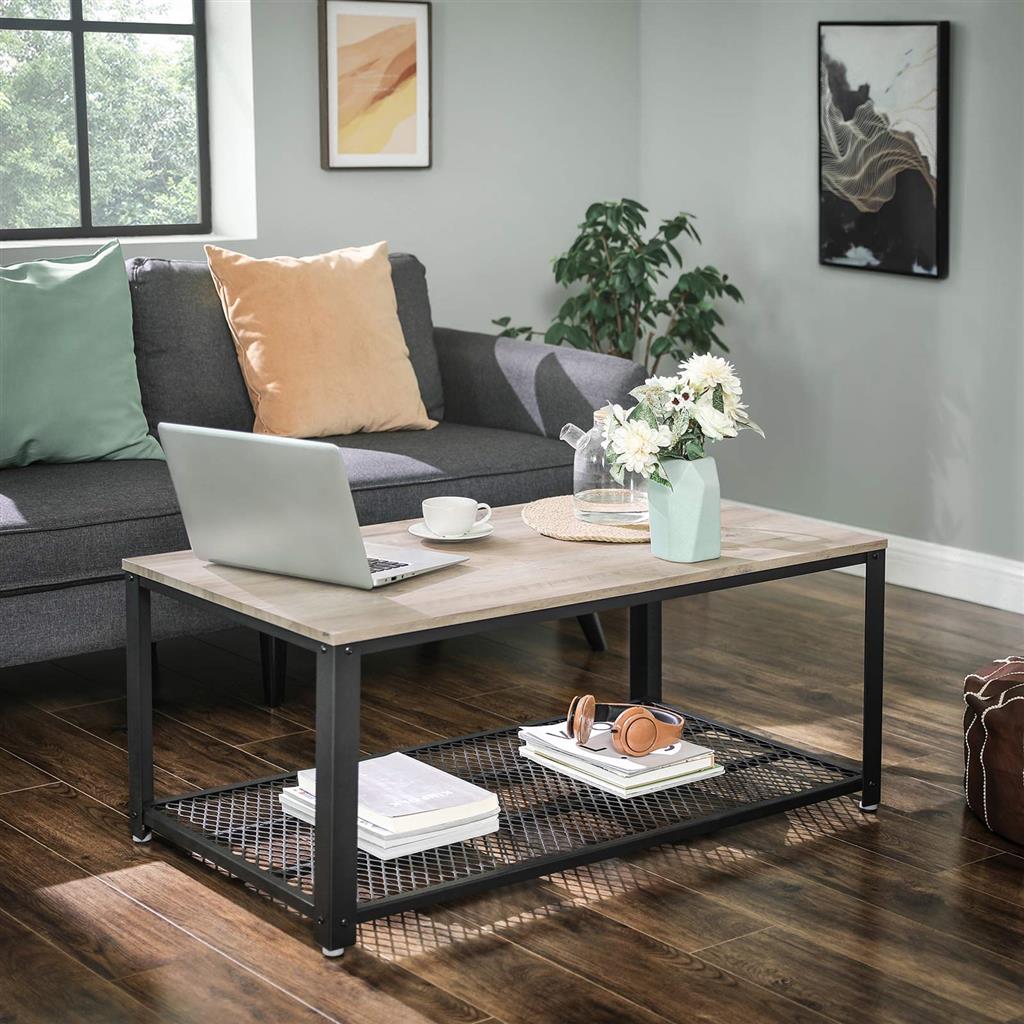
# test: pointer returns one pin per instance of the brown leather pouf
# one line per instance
(994, 746)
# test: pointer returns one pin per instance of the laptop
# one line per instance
(282, 505)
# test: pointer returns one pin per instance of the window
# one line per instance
(103, 118)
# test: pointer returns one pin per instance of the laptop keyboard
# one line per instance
(378, 564)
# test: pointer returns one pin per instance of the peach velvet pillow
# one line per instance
(319, 342)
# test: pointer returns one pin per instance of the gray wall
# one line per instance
(534, 117)
(888, 402)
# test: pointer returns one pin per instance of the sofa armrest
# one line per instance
(525, 385)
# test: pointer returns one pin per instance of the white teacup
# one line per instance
(454, 517)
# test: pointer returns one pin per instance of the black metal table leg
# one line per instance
(140, 707)
(337, 797)
(273, 668)
(874, 649)
(645, 652)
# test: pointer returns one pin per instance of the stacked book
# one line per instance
(598, 764)
(405, 806)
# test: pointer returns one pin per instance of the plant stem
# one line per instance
(618, 312)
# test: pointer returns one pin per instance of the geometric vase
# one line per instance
(686, 519)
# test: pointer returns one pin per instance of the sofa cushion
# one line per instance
(69, 389)
(188, 370)
(319, 341)
(391, 474)
(65, 524)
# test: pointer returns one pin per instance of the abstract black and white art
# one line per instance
(883, 136)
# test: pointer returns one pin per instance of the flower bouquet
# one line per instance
(675, 417)
(664, 438)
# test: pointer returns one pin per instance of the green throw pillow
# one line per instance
(69, 391)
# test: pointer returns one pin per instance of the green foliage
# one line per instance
(618, 302)
(142, 125)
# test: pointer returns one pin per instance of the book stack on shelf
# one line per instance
(405, 806)
(598, 764)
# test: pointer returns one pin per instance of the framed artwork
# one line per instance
(374, 84)
(883, 124)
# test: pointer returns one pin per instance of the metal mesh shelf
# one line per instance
(546, 818)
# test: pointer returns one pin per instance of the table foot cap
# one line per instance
(333, 952)
(143, 839)
(869, 808)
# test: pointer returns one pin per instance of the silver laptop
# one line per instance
(279, 505)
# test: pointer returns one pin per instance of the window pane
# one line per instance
(143, 143)
(179, 12)
(35, 8)
(38, 156)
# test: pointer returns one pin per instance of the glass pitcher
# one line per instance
(597, 496)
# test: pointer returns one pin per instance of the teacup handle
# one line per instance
(486, 509)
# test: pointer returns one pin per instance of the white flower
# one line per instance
(665, 383)
(715, 424)
(615, 416)
(636, 445)
(705, 372)
(677, 401)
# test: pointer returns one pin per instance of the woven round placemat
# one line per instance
(554, 517)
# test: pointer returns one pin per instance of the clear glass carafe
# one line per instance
(597, 496)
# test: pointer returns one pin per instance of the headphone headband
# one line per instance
(637, 729)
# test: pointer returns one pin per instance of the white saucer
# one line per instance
(477, 533)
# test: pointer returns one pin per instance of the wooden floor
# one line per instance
(820, 915)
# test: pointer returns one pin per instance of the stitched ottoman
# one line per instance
(994, 746)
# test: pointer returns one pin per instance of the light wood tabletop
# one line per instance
(513, 570)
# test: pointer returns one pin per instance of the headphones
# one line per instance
(637, 729)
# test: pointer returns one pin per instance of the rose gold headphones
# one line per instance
(637, 729)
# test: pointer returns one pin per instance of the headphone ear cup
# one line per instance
(635, 732)
(570, 718)
(586, 708)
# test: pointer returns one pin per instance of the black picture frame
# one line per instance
(941, 227)
(325, 137)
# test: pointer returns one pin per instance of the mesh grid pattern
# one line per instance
(542, 812)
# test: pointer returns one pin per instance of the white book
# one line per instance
(447, 837)
(399, 847)
(617, 790)
(600, 752)
(613, 778)
(300, 804)
(401, 795)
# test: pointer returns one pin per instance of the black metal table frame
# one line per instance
(334, 907)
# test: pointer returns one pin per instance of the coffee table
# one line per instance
(548, 822)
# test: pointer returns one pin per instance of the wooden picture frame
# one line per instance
(883, 153)
(375, 84)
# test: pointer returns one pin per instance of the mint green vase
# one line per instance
(686, 519)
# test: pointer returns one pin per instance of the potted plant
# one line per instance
(630, 295)
(664, 438)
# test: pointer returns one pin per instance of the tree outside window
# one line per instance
(102, 118)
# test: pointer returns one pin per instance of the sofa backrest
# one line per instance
(188, 371)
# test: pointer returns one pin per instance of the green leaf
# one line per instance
(555, 334)
(718, 398)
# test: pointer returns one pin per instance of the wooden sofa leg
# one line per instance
(273, 666)
(593, 631)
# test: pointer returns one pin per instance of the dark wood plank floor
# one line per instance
(820, 915)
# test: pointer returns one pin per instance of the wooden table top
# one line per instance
(514, 570)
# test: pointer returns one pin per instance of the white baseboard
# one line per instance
(951, 572)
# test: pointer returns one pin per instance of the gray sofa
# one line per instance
(65, 528)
